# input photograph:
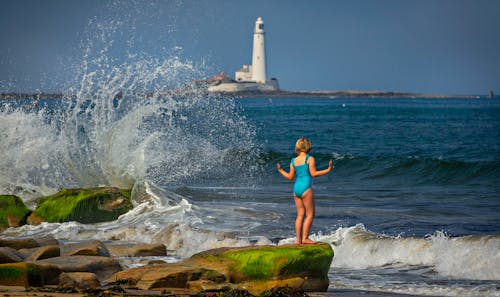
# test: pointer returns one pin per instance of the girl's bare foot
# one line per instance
(308, 241)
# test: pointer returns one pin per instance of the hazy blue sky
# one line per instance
(428, 46)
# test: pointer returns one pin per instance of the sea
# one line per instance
(412, 205)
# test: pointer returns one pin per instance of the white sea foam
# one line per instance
(469, 257)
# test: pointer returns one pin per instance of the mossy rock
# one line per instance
(86, 206)
(20, 274)
(13, 212)
(256, 269)
(267, 262)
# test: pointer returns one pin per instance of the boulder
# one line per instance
(86, 206)
(49, 272)
(85, 248)
(256, 269)
(20, 274)
(102, 267)
(13, 212)
(137, 250)
(10, 255)
(28, 243)
(81, 280)
(40, 253)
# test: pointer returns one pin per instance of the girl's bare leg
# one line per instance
(300, 218)
(308, 203)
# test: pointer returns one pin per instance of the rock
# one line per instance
(34, 219)
(10, 255)
(84, 205)
(50, 273)
(13, 212)
(81, 280)
(44, 252)
(138, 250)
(20, 274)
(256, 269)
(152, 262)
(85, 248)
(27, 243)
(103, 267)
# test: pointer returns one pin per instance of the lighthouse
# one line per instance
(259, 53)
(250, 78)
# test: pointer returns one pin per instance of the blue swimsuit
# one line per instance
(303, 178)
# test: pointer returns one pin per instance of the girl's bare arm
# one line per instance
(288, 175)
(317, 173)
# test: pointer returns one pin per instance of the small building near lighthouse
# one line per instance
(251, 77)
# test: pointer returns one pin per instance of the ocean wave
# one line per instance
(420, 170)
(467, 257)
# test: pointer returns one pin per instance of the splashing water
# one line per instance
(129, 117)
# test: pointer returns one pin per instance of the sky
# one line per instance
(419, 46)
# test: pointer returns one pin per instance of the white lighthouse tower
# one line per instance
(259, 53)
(250, 78)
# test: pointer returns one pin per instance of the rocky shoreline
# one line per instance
(31, 266)
(93, 267)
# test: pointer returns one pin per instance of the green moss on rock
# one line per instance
(280, 261)
(20, 274)
(12, 211)
(274, 262)
(84, 205)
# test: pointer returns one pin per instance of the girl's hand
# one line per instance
(330, 165)
(279, 166)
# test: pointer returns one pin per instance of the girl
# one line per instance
(305, 168)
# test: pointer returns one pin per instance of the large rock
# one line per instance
(13, 212)
(20, 274)
(10, 255)
(102, 267)
(84, 205)
(28, 242)
(256, 269)
(81, 280)
(137, 250)
(40, 253)
(85, 248)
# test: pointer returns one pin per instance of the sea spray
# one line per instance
(128, 116)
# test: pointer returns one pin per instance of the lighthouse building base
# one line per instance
(234, 87)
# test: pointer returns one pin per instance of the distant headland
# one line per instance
(260, 94)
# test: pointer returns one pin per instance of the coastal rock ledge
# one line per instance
(255, 269)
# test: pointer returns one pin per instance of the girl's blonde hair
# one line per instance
(303, 145)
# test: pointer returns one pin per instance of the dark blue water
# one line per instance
(403, 166)
(411, 207)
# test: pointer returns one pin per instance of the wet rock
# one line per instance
(138, 250)
(81, 280)
(256, 269)
(10, 255)
(50, 273)
(86, 206)
(85, 248)
(152, 262)
(44, 252)
(102, 267)
(20, 274)
(13, 212)
(27, 243)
